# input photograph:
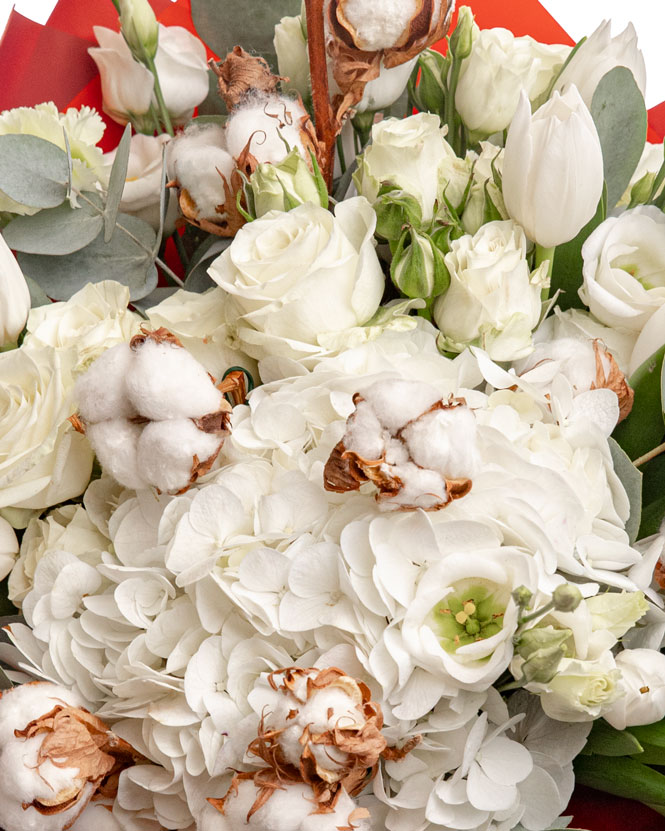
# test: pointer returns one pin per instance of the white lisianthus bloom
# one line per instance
(552, 168)
(290, 42)
(84, 128)
(141, 194)
(616, 612)
(183, 71)
(14, 296)
(126, 84)
(624, 270)
(494, 300)
(499, 67)
(68, 528)
(408, 153)
(9, 548)
(581, 690)
(297, 276)
(643, 679)
(599, 54)
(91, 321)
(42, 460)
(387, 88)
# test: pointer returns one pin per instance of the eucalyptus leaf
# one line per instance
(631, 479)
(567, 269)
(33, 171)
(222, 24)
(643, 429)
(124, 259)
(604, 740)
(620, 117)
(60, 230)
(197, 278)
(117, 179)
(164, 197)
(38, 296)
(154, 298)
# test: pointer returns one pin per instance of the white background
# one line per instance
(577, 17)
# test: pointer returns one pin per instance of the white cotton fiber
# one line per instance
(397, 402)
(166, 452)
(193, 139)
(379, 24)
(445, 441)
(199, 171)
(364, 433)
(100, 392)
(115, 443)
(265, 121)
(421, 488)
(166, 382)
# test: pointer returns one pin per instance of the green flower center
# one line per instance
(470, 613)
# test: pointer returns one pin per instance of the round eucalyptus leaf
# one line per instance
(60, 230)
(33, 171)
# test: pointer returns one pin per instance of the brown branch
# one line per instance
(323, 113)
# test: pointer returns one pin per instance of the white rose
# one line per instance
(43, 461)
(14, 296)
(68, 528)
(494, 300)
(143, 182)
(300, 275)
(599, 54)
(643, 673)
(91, 321)
(581, 690)
(498, 68)
(624, 269)
(292, 57)
(408, 152)
(182, 68)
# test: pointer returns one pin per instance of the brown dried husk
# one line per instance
(613, 380)
(346, 470)
(74, 738)
(363, 743)
(354, 67)
(241, 75)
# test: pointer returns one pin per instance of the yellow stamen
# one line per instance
(461, 617)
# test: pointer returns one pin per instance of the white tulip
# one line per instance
(14, 296)
(8, 548)
(643, 672)
(624, 269)
(387, 88)
(292, 57)
(499, 66)
(553, 168)
(598, 55)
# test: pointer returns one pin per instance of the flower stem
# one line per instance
(340, 153)
(450, 114)
(542, 254)
(642, 460)
(538, 613)
(164, 113)
(326, 131)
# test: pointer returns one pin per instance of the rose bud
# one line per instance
(55, 757)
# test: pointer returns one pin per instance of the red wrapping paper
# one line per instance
(51, 63)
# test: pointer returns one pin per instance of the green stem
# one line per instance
(180, 248)
(164, 113)
(340, 153)
(642, 460)
(170, 275)
(450, 114)
(538, 613)
(542, 254)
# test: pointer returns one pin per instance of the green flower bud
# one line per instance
(641, 191)
(539, 638)
(286, 185)
(522, 596)
(430, 94)
(461, 39)
(139, 27)
(394, 210)
(566, 597)
(418, 268)
(542, 666)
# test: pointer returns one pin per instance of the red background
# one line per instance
(42, 63)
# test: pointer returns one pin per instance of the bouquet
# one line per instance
(331, 429)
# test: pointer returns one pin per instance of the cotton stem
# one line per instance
(323, 113)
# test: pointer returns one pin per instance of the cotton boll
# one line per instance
(271, 123)
(101, 392)
(364, 433)
(445, 441)
(115, 443)
(199, 172)
(188, 143)
(166, 381)
(421, 488)
(381, 23)
(397, 402)
(166, 452)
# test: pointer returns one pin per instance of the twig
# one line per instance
(650, 455)
(323, 113)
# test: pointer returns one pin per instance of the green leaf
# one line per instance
(620, 117)
(631, 479)
(621, 776)
(221, 24)
(164, 197)
(117, 180)
(652, 755)
(155, 297)
(122, 259)
(567, 269)
(197, 278)
(653, 734)
(604, 740)
(38, 296)
(33, 171)
(60, 230)
(643, 429)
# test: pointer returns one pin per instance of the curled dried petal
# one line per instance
(241, 75)
(609, 376)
